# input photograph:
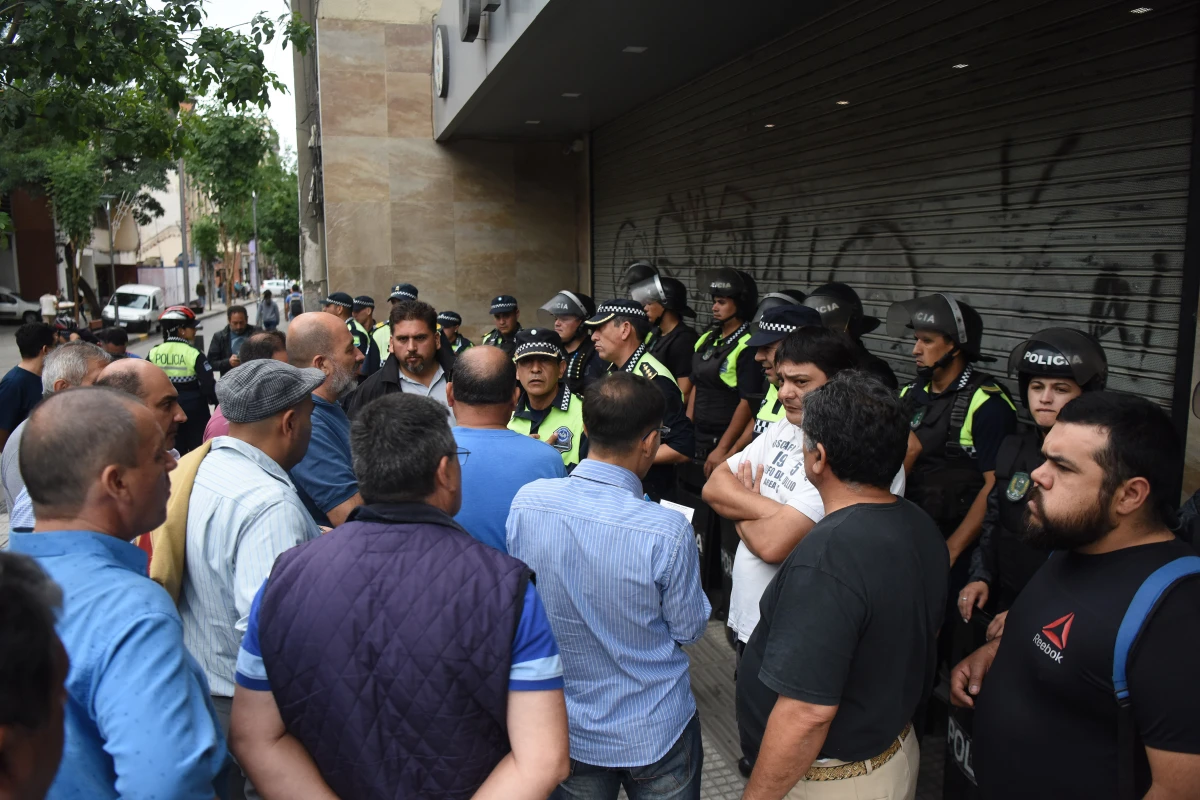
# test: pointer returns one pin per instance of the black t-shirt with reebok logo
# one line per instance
(1046, 718)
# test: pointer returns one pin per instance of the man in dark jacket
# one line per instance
(223, 350)
(465, 684)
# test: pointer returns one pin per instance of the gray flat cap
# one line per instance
(259, 389)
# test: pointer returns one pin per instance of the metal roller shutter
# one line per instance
(1045, 182)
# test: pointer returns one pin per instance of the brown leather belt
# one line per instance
(855, 768)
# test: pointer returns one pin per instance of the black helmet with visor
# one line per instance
(1059, 353)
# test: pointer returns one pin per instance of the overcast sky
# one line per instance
(228, 13)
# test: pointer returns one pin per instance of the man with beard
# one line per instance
(325, 477)
(1071, 707)
(412, 366)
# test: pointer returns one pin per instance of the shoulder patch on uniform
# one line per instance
(1018, 486)
(648, 371)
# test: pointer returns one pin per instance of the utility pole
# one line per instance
(183, 248)
(112, 269)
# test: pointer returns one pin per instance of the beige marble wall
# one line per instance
(464, 221)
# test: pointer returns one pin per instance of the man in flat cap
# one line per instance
(242, 512)
(508, 321)
(362, 326)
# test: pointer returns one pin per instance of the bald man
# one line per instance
(325, 477)
(139, 722)
(149, 384)
(482, 396)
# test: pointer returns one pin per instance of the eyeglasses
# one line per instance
(661, 431)
(462, 454)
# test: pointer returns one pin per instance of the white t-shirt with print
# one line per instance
(780, 450)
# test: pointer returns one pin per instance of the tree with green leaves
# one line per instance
(279, 214)
(74, 182)
(225, 153)
(75, 68)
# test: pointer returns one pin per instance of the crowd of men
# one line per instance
(390, 563)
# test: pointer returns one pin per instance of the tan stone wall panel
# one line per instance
(395, 11)
(409, 105)
(358, 235)
(422, 233)
(420, 170)
(345, 44)
(352, 169)
(353, 103)
(483, 171)
(484, 235)
(408, 48)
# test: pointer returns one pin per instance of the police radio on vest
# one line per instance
(1047, 360)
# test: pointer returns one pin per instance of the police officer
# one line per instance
(671, 340)
(339, 304)
(724, 373)
(448, 323)
(619, 329)
(507, 316)
(566, 312)
(362, 327)
(189, 371)
(547, 409)
(842, 310)
(1053, 367)
(382, 334)
(960, 415)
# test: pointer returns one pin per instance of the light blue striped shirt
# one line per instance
(243, 512)
(620, 579)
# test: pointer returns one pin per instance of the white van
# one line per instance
(136, 306)
(279, 287)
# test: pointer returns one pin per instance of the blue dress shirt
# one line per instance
(620, 579)
(139, 720)
(325, 477)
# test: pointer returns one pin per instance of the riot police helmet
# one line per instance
(841, 309)
(566, 304)
(639, 271)
(670, 293)
(735, 284)
(784, 297)
(1059, 353)
(942, 313)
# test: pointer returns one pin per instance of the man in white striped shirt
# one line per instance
(243, 512)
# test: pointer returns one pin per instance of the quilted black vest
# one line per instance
(387, 643)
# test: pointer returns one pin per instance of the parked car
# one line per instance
(18, 309)
(135, 306)
(278, 287)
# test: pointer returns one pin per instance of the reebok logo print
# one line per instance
(1055, 640)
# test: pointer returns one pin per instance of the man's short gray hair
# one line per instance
(397, 443)
(70, 363)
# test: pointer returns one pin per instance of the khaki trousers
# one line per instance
(895, 780)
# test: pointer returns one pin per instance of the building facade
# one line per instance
(1034, 158)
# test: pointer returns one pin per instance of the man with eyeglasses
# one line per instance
(482, 397)
(620, 578)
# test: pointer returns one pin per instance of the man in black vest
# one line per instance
(464, 684)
